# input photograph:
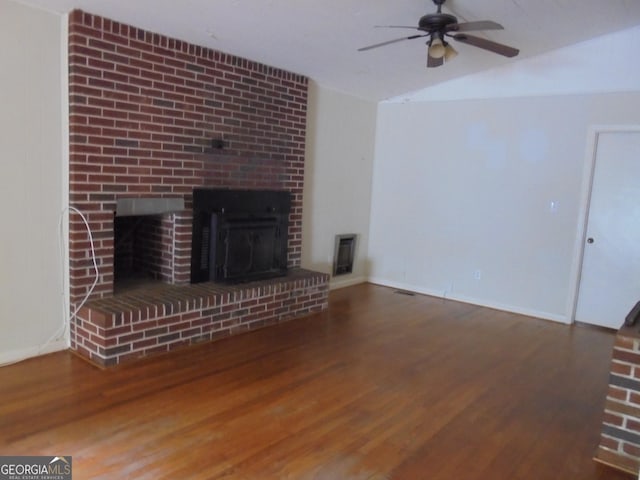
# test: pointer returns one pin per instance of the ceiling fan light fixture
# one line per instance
(437, 48)
(449, 52)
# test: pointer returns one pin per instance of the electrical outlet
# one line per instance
(477, 274)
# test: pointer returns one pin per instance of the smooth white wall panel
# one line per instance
(32, 173)
(479, 200)
(337, 188)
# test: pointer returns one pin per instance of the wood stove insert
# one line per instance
(239, 235)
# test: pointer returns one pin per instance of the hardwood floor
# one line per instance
(383, 386)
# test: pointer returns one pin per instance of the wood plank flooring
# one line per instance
(382, 386)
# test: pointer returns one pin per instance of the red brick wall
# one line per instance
(143, 111)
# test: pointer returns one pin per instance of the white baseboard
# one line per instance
(15, 356)
(510, 308)
(471, 300)
(406, 286)
(347, 282)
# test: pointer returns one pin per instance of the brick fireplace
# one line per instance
(153, 117)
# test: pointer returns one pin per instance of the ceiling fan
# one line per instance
(438, 26)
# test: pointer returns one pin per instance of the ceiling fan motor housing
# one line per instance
(434, 22)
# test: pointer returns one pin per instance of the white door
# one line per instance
(610, 276)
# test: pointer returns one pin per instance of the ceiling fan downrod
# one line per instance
(439, 4)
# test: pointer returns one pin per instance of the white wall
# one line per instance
(33, 177)
(338, 169)
(478, 182)
(489, 188)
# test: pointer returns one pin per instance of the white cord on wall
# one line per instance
(67, 315)
(95, 265)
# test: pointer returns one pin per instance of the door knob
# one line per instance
(589, 240)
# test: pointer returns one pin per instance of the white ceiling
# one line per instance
(320, 38)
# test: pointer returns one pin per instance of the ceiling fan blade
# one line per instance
(388, 42)
(434, 62)
(485, 44)
(470, 26)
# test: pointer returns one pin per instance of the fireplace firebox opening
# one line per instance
(138, 256)
(143, 232)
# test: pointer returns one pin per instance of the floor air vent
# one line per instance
(405, 292)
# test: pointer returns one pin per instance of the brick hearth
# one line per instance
(124, 327)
